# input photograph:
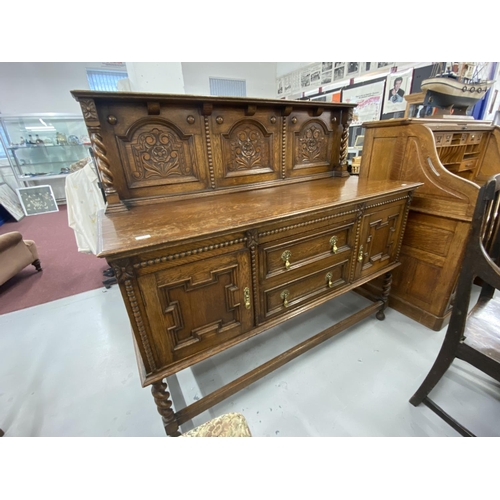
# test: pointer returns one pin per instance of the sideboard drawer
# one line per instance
(332, 244)
(292, 294)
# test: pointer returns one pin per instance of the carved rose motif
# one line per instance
(123, 271)
(159, 153)
(311, 143)
(88, 109)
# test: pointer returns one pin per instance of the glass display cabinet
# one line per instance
(42, 147)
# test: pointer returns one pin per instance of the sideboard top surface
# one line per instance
(149, 226)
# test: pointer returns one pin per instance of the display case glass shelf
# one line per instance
(44, 146)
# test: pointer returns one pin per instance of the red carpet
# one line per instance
(65, 271)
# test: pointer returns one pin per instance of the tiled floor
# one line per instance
(68, 368)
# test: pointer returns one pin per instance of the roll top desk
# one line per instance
(452, 158)
(228, 216)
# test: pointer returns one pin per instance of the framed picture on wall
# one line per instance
(305, 79)
(368, 97)
(352, 69)
(326, 78)
(398, 85)
(37, 200)
(339, 71)
(326, 67)
(367, 66)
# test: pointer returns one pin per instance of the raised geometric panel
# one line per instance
(381, 238)
(156, 152)
(247, 149)
(195, 309)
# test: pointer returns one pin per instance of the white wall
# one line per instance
(260, 77)
(160, 77)
(41, 87)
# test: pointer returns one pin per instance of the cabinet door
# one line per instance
(199, 305)
(380, 235)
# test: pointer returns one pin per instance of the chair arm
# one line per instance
(9, 240)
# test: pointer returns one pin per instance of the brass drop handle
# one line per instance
(333, 243)
(329, 279)
(360, 255)
(246, 297)
(285, 257)
(284, 296)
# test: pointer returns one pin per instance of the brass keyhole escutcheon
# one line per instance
(333, 243)
(284, 296)
(285, 257)
(329, 279)
(246, 297)
(360, 254)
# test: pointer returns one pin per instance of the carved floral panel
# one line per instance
(312, 146)
(247, 149)
(158, 154)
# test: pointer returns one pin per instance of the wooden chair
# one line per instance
(473, 337)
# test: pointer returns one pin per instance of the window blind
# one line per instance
(226, 87)
(105, 80)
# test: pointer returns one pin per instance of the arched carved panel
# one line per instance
(312, 145)
(157, 152)
(247, 149)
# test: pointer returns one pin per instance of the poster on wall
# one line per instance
(368, 99)
(291, 83)
(352, 69)
(305, 78)
(338, 71)
(280, 87)
(366, 67)
(316, 75)
(398, 85)
(326, 73)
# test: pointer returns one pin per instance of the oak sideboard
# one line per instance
(228, 216)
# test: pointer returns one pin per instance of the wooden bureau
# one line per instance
(227, 217)
(452, 158)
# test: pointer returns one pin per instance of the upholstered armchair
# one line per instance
(16, 254)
